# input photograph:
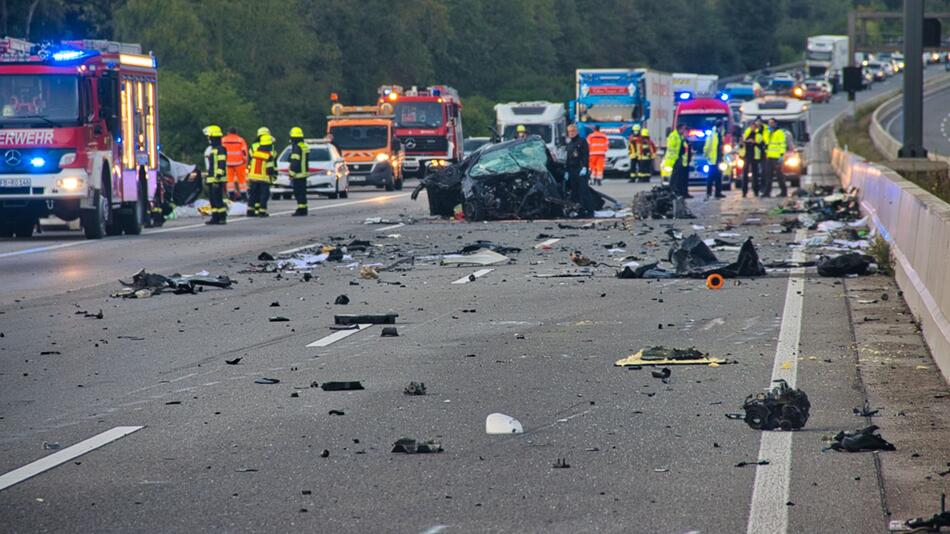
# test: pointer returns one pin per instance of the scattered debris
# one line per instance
(663, 373)
(325, 454)
(412, 446)
(781, 407)
(415, 388)
(267, 381)
(278, 319)
(866, 411)
(579, 259)
(499, 423)
(389, 331)
(336, 412)
(481, 257)
(845, 264)
(488, 245)
(759, 462)
(934, 523)
(350, 319)
(866, 439)
(342, 300)
(265, 256)
(342, 386)
(145, 284)
(368, 273)
(51, 446)
(661, 202)
(660, 355)
(90, 315)
(561, 463)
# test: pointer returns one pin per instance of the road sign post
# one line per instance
(913, 142)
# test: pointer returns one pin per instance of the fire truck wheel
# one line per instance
(94, 220)
(398, 184)
(389, 183)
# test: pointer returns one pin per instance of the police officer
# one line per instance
(775, 146)
(712, 149)
(299, 169)
(752, 144)
(262, 172)
(677, 160)
(216, 165)
(576, 165)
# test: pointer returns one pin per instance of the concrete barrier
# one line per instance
(917, 225)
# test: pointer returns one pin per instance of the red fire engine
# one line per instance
(428, 124)
(78, 135)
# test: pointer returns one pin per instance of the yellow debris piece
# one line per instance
(637, 359)
(786, 365)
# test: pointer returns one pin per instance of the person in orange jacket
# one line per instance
(236, 148)
(597, 146)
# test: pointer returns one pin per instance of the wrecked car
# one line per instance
(517, 179)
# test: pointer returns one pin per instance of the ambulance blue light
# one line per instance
(68, 55)
(706, 169)
(685, 95)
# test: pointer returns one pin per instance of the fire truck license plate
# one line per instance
(14, 182)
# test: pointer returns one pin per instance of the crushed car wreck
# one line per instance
(515, 179)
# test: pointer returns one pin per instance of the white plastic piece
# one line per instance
(499, 423)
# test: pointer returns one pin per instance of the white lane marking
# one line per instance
(477, 274)
(393, 227)
(769, 512)
(44, 464)
(378, 199)
(547, 243)
(338, 335)
(298, 249)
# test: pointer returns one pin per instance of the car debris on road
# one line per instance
(145, 284)
(781, 407)
(866, 439)
(659, 355)
(412, 446)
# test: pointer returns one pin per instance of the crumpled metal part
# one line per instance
(866, 439)
(781, 407)
(145, 284)
(661, 202)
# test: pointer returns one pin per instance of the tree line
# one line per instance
(275, 62)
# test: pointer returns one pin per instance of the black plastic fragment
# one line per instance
(380, 318)
(341, 386)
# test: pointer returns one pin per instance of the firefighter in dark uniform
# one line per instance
(577, 169)
(299, 169)
(217, 175)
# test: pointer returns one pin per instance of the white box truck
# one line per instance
(695, 84)
(825, 57)
(546, 119)
(659, 92)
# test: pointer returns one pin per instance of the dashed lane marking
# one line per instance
(769, 512)
(477, 274)
(338, 335)
(57, 458)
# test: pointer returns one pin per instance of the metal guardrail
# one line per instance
(773, 69)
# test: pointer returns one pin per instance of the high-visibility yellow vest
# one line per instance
(776, 144)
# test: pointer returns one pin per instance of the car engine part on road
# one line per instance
(866, 439)
(781, 407)
(661, 202)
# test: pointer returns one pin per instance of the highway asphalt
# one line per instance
(217, 451)
(936, 127)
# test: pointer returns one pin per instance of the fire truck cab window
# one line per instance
(40, 99)
(418, 114)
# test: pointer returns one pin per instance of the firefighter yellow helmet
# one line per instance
(263, 130)
(267, 139)
(645, 133)
(636, 128)
(213, 131)
(521, 129)
(296, 131)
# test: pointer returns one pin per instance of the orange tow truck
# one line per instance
(365, 137)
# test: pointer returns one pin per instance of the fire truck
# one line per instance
(78, 135)
(428, 124)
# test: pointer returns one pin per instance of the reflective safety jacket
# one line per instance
(263, 167)
(299, 166)
(776, 144)
(675, 150)
(216, 164)
(236, 148)
(641, 148)
(753, 140)
(597, 143)
(712, 149)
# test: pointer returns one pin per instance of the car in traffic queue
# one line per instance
(816, 91)
(328, 175)
(877, 70)
(618, 156)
